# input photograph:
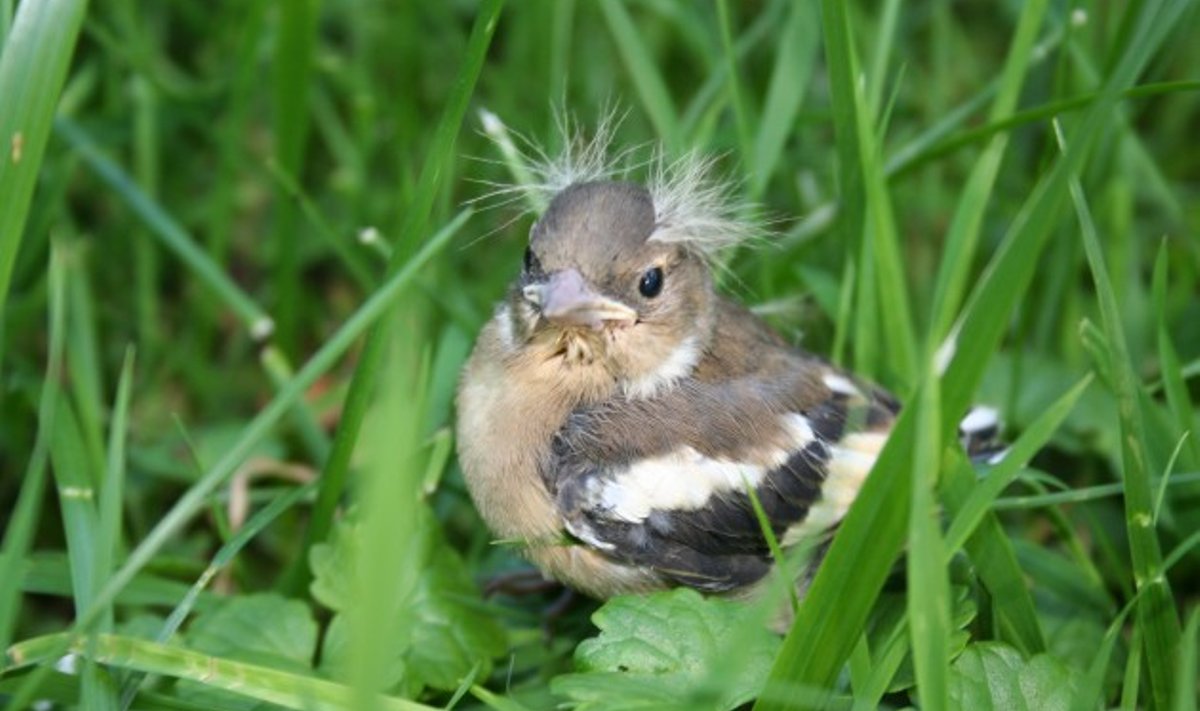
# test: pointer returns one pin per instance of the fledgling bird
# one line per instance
(616, 408)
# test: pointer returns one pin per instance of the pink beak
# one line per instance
(568, 301)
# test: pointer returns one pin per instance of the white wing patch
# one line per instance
(841, 385)
(677, 365)
(685, 479)
(850, 460)
(980, 419)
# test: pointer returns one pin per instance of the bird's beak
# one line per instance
(566, 300)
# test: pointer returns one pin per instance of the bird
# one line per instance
(617, 410)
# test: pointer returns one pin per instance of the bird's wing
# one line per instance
(664, 483)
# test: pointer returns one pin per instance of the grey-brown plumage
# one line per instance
(616, 410)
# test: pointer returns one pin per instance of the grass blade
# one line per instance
(733, 83)
(112, 487)
(928, 585)
(18, 535)
(292, 76)
(833, 612)
(995, 562)
(1156, 613)
(972, 511)
(644, 72)
(257, 682)
(790, 76)
(1186, 686)
(33, 66)
(1179, 401)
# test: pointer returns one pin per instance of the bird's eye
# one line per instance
(531, 261)
(652, 283)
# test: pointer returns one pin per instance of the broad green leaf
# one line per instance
(267, 630)
(452, 631)
(264, 628)
(672, 649)
(991, 675)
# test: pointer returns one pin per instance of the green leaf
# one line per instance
(671, 650)
(265, 629)
(452, 631)
(991, 675)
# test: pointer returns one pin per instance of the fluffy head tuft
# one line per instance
(692, 206)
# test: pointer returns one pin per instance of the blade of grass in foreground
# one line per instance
(257, 682)
(387, 496)
(1155, 611)
(433, 173)
(832, 615)
(33, 67)
(928, 599)
(195, 499)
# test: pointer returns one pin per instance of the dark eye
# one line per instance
(652, 283)
(531, 261)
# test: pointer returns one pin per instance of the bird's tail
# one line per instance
(979, 433)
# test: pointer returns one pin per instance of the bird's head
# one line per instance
(599, 290)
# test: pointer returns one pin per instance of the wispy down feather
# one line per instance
(692, 206)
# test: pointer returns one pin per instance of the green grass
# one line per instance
(989, 203)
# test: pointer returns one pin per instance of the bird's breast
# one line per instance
(511, 402)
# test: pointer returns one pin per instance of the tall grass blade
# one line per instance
(928, 600)
(112, 486)
(292, 67)
(1155, 612)
(253, 681)
(36, 55)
